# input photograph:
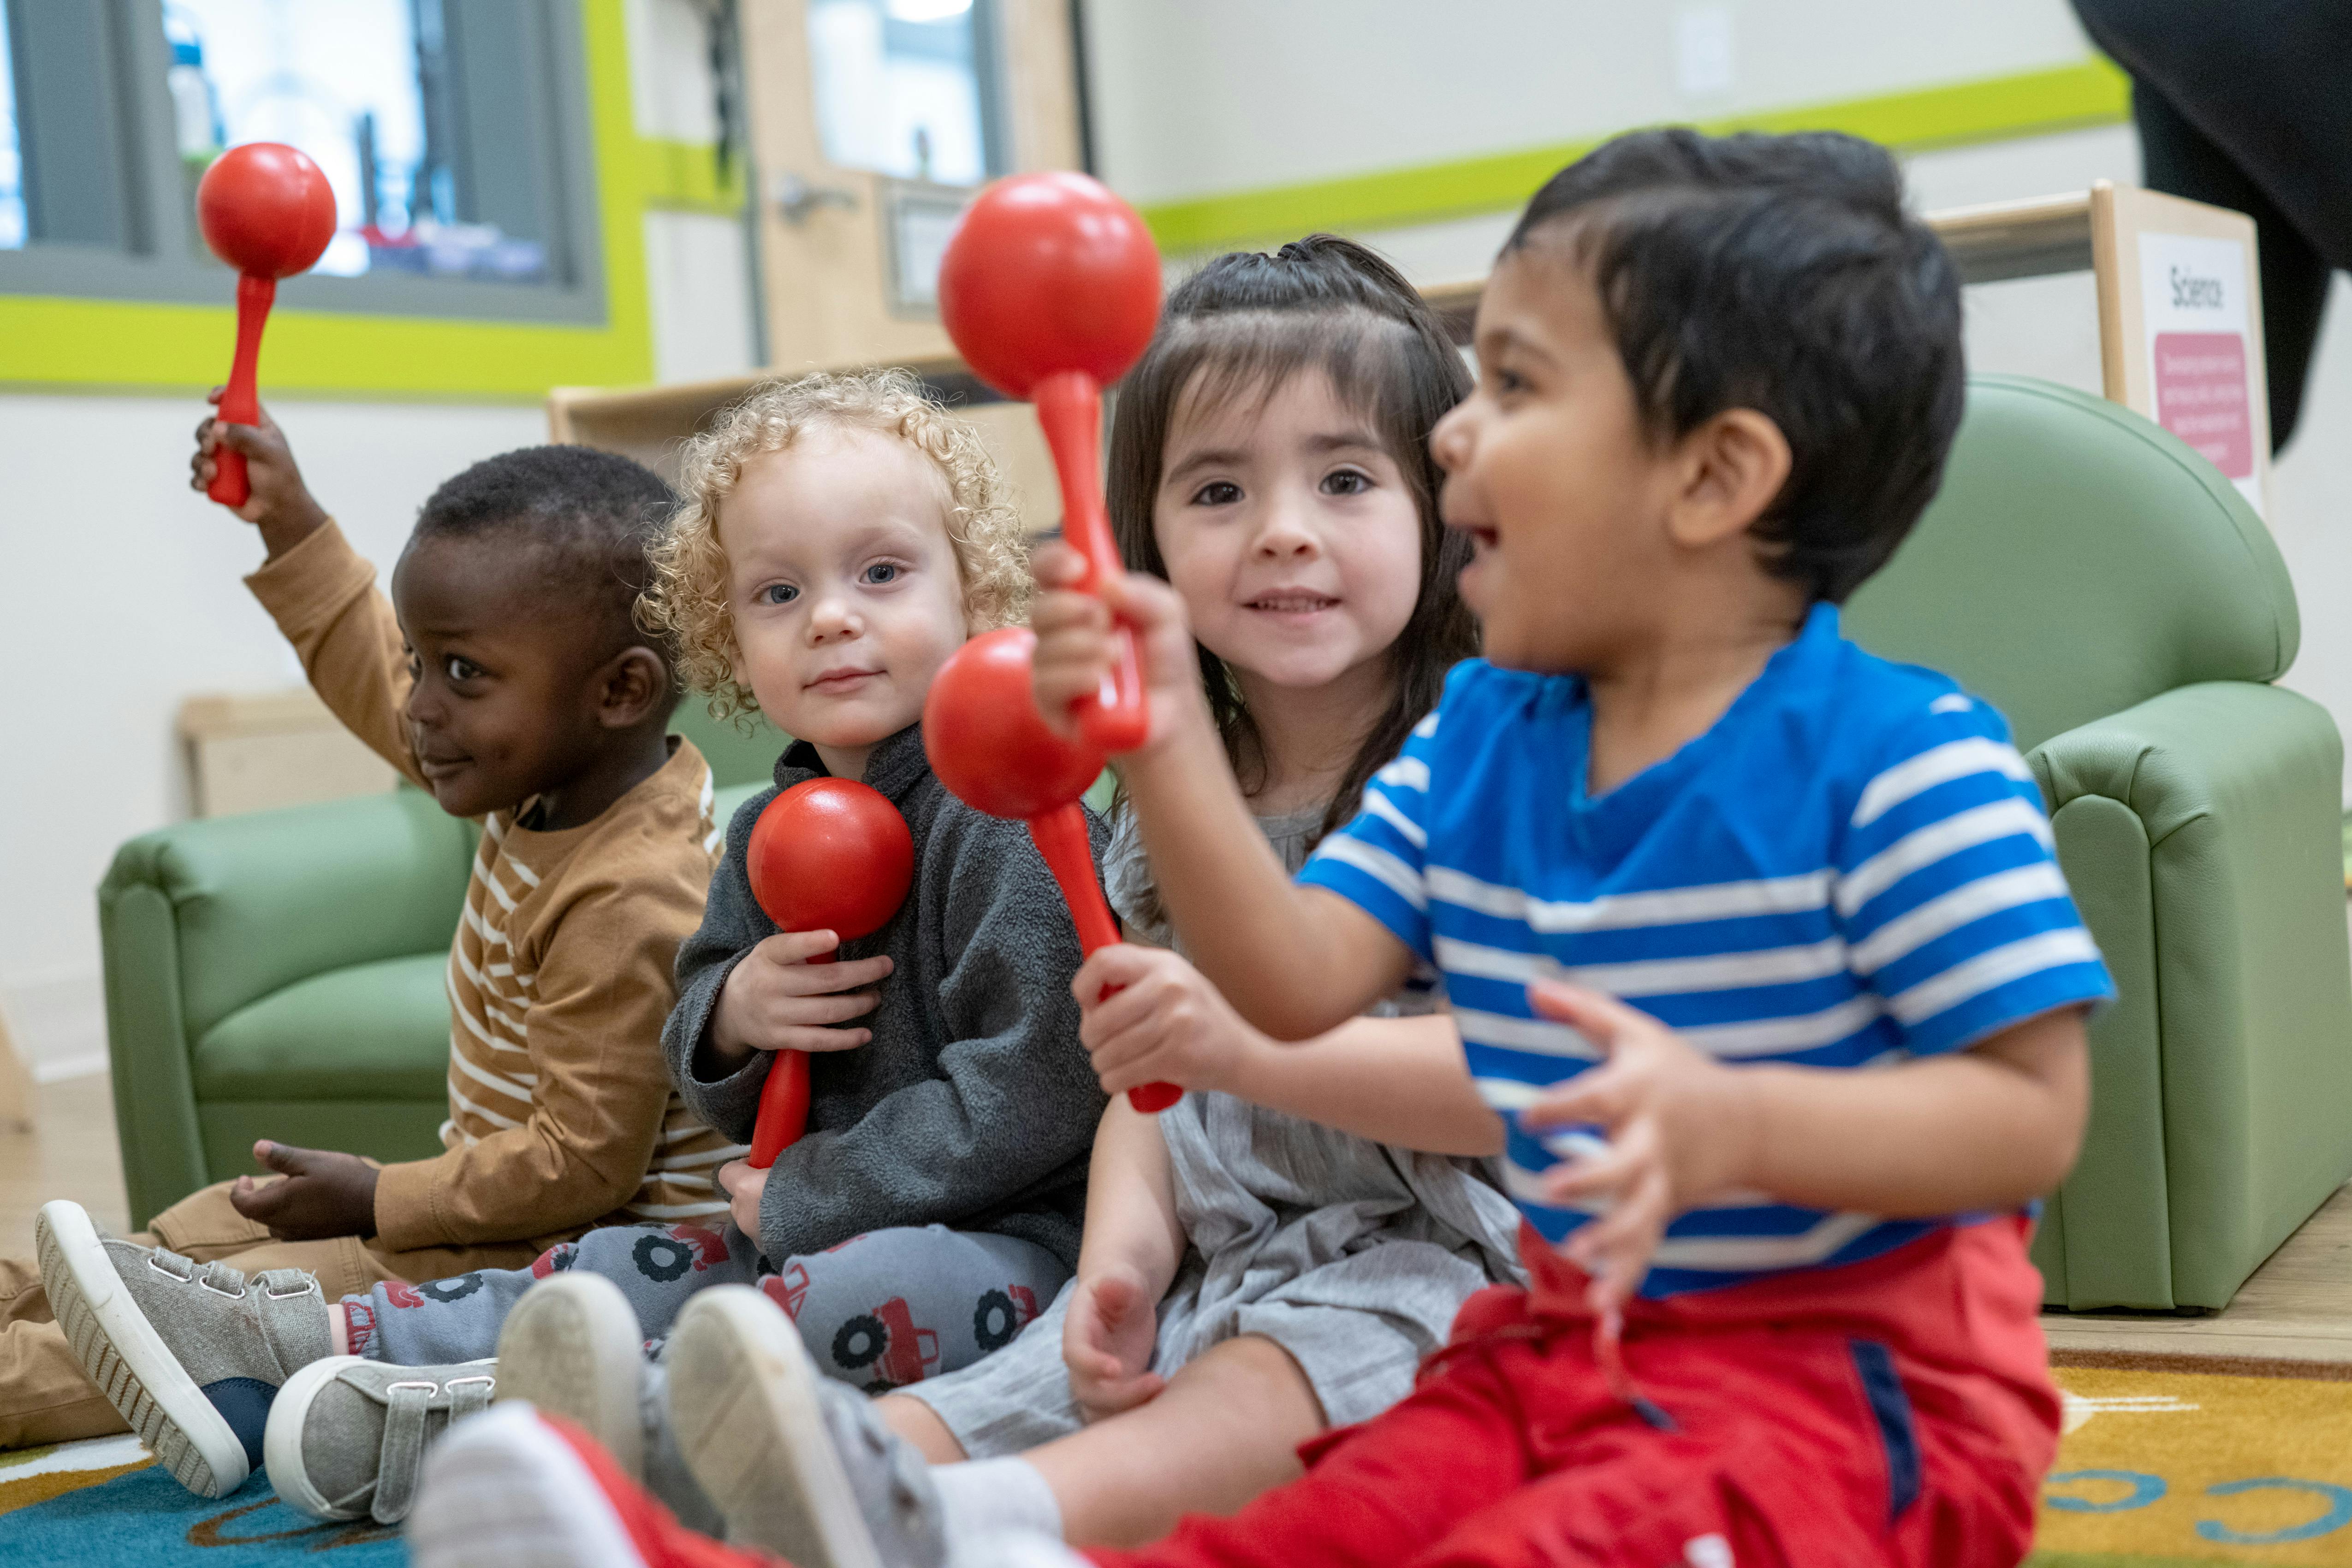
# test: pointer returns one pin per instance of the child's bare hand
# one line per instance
(280, 504)
(1076, 641)
(776, 1000)
(1677, 1125)
(1107, 1341)
(322, 1194)
(1165, 1024)
(744, 1188)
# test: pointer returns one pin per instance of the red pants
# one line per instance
(1894, 1412)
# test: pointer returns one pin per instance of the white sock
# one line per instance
(987, 1496)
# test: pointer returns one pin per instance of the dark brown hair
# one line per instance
(1243, 325)
(1782, 274)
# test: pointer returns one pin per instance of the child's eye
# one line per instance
(458, 668)
(1217, 493)
(1347, 482)
(1509, 381)
(778, 593)
(882, 571)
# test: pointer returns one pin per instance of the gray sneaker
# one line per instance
(347, 1435)
(799, 1464)
(190, 1353)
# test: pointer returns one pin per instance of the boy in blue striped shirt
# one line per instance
(1755, 941)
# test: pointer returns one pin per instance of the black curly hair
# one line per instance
(585, 517)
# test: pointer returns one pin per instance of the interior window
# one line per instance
(363, 86)
(11, 165)
(901, 87)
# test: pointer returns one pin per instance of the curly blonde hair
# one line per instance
(686, 602)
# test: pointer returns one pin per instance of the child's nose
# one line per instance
(1285, 535)
(1449, 443)
(833, 619)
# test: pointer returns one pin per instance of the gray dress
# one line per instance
(1353, 1255)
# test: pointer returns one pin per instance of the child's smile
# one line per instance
(1288, 527)
(843, 587)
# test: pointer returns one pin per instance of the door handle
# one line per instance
(796, 198)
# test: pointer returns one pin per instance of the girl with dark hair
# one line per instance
(1249, 1277)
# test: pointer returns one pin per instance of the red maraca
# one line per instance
(267, 211)
(987, 743)
(826, 854)
(1050, 287)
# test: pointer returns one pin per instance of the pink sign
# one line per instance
(2200, 397)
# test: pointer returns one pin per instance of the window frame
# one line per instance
(163, 260)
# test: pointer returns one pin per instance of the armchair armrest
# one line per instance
(2201, 833)
(199, 919)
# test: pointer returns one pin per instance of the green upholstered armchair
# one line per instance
(2112, 593)
(280, 976)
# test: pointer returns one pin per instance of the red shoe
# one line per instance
(513, 1489)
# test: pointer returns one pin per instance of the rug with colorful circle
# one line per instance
(2166, 1462)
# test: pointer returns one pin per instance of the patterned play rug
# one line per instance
(2168, 1462)
(103, 1504)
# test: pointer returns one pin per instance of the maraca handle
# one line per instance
(240, 401)
(1061, 838)
(784, 1101)
(1069, 406)
(784, 1108)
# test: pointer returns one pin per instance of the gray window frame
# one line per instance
(157, 255)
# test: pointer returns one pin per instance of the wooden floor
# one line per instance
(70, 1153)
(2298, 1306)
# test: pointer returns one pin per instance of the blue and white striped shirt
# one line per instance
(1850, 869)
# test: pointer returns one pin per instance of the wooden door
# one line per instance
(856, 187)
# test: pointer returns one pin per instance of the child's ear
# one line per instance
(1732, 470)
(631, 687)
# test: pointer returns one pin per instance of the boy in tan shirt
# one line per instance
(507, 676)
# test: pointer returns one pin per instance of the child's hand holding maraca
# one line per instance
(1148, 1016)
(1077, 645)
(776, 1000)
(745, 1186)
(1107, 1341)
(279, 504)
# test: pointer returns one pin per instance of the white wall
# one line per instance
(126, 599)
(1201, 97)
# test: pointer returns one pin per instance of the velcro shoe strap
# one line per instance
(293, 1316)
(407, 1408)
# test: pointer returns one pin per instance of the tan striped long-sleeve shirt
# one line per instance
(560, 1113)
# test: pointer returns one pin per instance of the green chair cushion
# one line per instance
(374, 1031)
(2078, 561)
(741, 753)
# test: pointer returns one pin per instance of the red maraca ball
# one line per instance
(831, 855)
(1049, 273)
(265, 208)
(986, 741)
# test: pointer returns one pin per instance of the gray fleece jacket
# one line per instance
(973, 1106)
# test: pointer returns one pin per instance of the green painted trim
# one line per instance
(60, 343)
(1995, 109)
(683, 176)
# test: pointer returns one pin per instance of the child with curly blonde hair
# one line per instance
(841, 537)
